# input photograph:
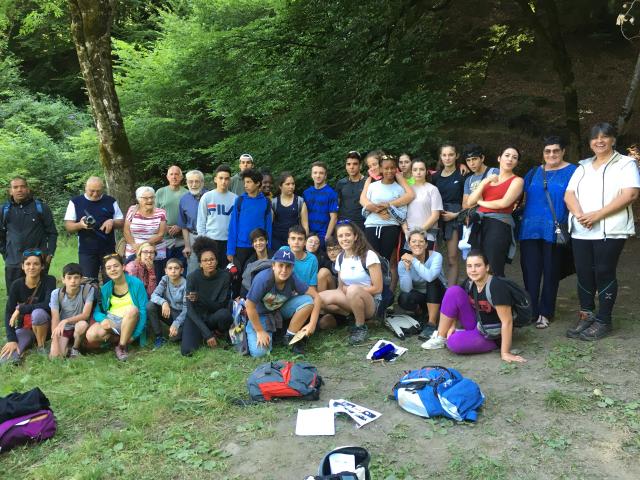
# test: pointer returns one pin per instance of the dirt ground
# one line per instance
(570, 412)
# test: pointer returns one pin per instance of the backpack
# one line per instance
(297, 201)
(32, 427)
(361, 460)
(402, 325)
(283, 380)
(85, 288)
(6, 206)
(435, 391)
(387, 294)
(238, 329)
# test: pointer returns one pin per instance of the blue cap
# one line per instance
(284, 256)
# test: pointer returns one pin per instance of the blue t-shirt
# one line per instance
(473, 180)
(320, 203)
(306, 269)
(537, 221)
(267, 297)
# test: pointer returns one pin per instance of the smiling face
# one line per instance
(318, 175)
(32, 266)
(373, 164)
(602, 144)
(282, 271)
(194, 183)
(508, 160)
(259, 245)
(114, 269)
(174, 176)
(417, 244)
(267, 183)
(553, 155)
(389, 170)
(477, 270)
(147, 201)
(346, 237)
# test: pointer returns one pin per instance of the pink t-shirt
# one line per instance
(427, 200)
(143, 228)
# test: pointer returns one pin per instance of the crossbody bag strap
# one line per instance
(546, 193)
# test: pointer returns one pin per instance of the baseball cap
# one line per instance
(284, 256)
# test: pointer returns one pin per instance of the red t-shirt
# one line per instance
(497, 192)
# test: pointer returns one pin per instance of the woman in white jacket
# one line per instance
(599, 198)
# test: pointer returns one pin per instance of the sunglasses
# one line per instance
(35, 252)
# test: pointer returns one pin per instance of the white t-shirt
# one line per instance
(379, 192)
(351, 271)
(427, 200)
(589, 190)
(70, 214)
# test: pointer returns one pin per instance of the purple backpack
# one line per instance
(33, 427)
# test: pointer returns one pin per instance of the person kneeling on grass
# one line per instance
(71, 308)
(469, 305)
(208, 290)
(123, 315)
(167, 304)
(359, 283)
(277, 295)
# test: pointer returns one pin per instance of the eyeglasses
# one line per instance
(34, 252)
(148, 252)
(208, 260)
(346, 221)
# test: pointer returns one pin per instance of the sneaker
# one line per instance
(596, 331)
(427, 331)
(359, 334)
(585, 320)
(298, 348)
(435, 342)
(121, 353)
(159, 342)
(74, 353)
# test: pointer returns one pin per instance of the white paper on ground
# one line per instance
(316, 421)
(359, 414)
(342, 462)
(399, 351)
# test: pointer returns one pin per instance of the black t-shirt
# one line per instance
(349, 199)
(500, 295)
(451, 188)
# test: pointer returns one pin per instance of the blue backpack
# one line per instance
(435, 391)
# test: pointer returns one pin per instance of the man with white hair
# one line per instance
(168, 199)
(94, 216)
(188, 214)
(237, 183)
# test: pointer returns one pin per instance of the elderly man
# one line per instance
(25, 223)
(93, 216)
(168, 199)
(188, 214)
(237, 183)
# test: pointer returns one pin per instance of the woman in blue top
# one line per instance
(540, 257)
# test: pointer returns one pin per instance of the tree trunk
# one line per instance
(551, 34)
(629, 102)
(91, 22)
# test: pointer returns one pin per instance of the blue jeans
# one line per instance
(287, 311)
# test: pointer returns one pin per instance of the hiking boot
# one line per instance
(121, 353)
(359, 334)
(159, 342)
(435, 342)
(427, 331)
(74, 353)
(585, 320)
(596, 331)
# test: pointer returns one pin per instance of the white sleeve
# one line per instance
(70, 214)
(573, 181)
(372, 258)
(629, 176)
(117, 213)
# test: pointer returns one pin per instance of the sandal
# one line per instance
(542, 322)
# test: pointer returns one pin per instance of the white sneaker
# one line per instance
(435, 342)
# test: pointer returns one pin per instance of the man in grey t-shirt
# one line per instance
(237, 183)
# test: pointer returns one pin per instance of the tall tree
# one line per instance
(91, 22)
(544, 18)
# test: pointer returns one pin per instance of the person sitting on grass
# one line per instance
(327, 274)
(469, 305)
(208, 295)
(422, 283)
(123, 316)
(276, 296)
(143, 266)
(71, 308)
(260, 258)
(167, 304)
(359, 289)
(306, 266)
(27, 314)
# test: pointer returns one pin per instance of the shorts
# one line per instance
(116, 323)
(68, 333)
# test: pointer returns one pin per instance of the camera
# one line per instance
(89, 220)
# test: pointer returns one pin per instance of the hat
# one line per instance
(246, 156)
(284, 256)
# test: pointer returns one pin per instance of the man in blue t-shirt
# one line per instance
(276, 296)
(306, 266)
(322, 203)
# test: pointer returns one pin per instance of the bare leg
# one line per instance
(129, 321)
(361, 303)
(335, 301)
(300, 318)
(447, 326)
(452, 259)
(326, 281)
(40, 331)
(434, 311)
(393, 265)
(78, 333)
(58, 347)
(97, 334)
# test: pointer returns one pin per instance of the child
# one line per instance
(168, 304)
(322, 203)
(327, 274)
(71, 308)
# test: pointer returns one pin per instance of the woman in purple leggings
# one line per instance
(485, 325)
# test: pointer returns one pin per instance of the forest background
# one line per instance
(202, 81)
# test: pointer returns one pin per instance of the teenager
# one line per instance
(322, 203)
(168, 305)
(469, 306)
(599, 198)
(208, 315)
(27, 313)
(123, 316)
(422, 282)
(215, 211)
(359, 288)
(349, 189)
(236, 184)
(143, 266)
(473, 156)
(261, 257)
(404, 166)
(288, 210)
(306, 265)
(267, 183)
(71, 307)
(278, 296)
(327, 274)
(496, 197)
(423, 211)
(251, 210)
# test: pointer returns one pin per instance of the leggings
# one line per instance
(414, 300)
(456, 305)
(383, 239)
(540, 261)
(496, 240)
(596, 262)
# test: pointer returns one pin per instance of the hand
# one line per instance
(192, 296)
(308, 329)
(107, 226)
(493, 178)
(384, 214)
(212, 342)
(83, 224)
(186, 251)
(174, 230)
(407, 258)
(588, 219)
(463, 169)
(8, 349)
(57, 332)
(327, 237)
(508, 357)
(166, 310)
(263, 339)
(106, 325)
(173, 331)
(448, 216)
(230, 258)
(13, 321)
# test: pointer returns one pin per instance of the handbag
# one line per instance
(561, 231)
(25, 319)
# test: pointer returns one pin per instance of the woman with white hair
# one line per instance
(146, 223)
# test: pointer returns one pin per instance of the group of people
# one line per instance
(328, 257)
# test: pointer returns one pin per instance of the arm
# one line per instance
(473, 197)
(364, 199)
(409, 194)
(506, 319)
(254, 318)
(179, 321)
(269, 221)
(201, 219)
(304, 217)
(48, 286)
(624, 198)
(432, 220)
(431, 272)
(10, 308)
(140, 301)
(157, 296)
(233, 233)
(572, 203)
(333, 219)
(375, 272)
(157, 238)
(315, 313)
(406, 284)
(513, 194)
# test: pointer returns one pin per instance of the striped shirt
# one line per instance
(143, 228)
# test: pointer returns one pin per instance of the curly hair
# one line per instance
(205, 244)
(360, 243)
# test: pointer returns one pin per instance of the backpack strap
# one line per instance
(61, 292)
(300, 202)
(274, 204)
(487, 291)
